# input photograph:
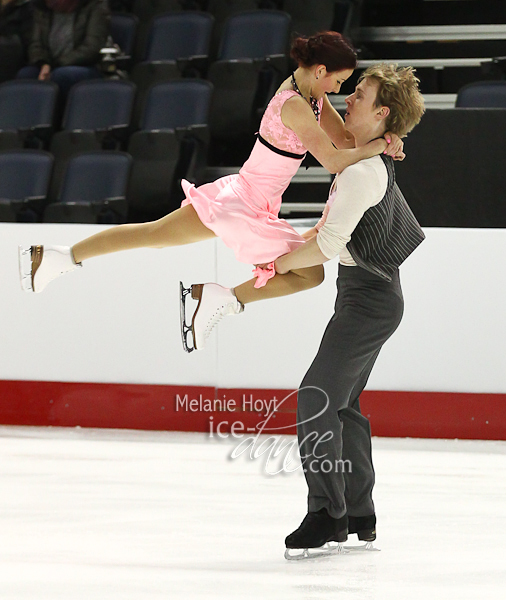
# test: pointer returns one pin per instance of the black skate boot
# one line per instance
(364, 527)
(315, 531)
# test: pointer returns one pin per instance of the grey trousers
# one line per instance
(334, 437)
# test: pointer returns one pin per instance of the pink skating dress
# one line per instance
(243, 209)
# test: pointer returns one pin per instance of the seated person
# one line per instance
(66, 41)
(15, 35)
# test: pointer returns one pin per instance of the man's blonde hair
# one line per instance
(398, 90)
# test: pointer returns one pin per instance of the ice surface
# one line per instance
(149, 515)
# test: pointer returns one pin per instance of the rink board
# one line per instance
(101, 347)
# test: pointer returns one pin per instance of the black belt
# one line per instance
(278, 151)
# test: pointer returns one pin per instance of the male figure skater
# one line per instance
(368, 224)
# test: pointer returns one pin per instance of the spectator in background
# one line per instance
(66, 41)
(15, 35)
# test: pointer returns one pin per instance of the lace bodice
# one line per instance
(274, 131)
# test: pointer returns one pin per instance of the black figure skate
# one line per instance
(314, 536)
(365, 528)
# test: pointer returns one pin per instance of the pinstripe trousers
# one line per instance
(334, 437)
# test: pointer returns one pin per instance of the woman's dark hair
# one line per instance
(327, 48)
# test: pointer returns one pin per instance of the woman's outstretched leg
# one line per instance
(39, 265)
(180, 227)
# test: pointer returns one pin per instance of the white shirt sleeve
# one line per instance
(353, 192)
(323, 218)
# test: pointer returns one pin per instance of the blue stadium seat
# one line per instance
(177, 104)
(178, 46)
(309, 18)
(24, 182)
(97, 117)
(482, 94)
(146, 11)
(26, 113)
(255, 34)
(182, 108)
(124, 31)
(100, 105)
(221, 11)
(94, 189)
(252, 64)
(179, 36)
(172, 143)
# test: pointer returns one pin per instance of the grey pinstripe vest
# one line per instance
(387, 233)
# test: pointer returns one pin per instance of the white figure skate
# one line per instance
(214, 302)
(38, 265)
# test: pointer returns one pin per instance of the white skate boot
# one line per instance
(38, 265)
(215, 302)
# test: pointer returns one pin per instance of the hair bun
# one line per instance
(327, 48)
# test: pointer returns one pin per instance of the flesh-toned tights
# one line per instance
(184, 227)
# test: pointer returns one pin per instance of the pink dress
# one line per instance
(243, 209)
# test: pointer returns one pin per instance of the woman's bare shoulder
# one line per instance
(296, 112)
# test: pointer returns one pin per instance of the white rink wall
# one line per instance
(117, 319)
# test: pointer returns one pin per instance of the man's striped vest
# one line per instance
(387, 233)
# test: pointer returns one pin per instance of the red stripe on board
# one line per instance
(436, 414)
(118, 406)
(190, 408)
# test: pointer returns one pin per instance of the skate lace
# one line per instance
(224, 309)
(214, 320)
(221, 311)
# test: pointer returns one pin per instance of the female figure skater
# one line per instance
(243, 209)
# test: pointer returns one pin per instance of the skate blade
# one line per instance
(196, 292)
(367, 547)
(309, 553)
(185, 328)
(25, 268)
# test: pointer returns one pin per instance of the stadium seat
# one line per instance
(251, 64)
(93, 190)
(12, 56)
(177, 104)
(102, 106)
(97, 117)
(26, 113)
(179, 36)
(256, 35)
(347, 17)
(178, 46)
(171, 144)
(483, 94)
(181, 39)
(309, 18)
(124, 28)
(182, 106)
(145, 75)
(156, 157)
(24, 182)
(147, 10)
(221, 11)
